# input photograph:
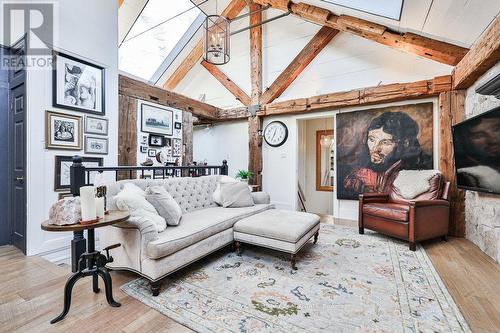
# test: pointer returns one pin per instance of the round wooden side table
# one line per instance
(95, 260)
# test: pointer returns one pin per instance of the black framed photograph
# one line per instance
(177, 125)
(62, 170)
(77, 84)
(156, 140)
(176, 147)
(168, 142)
(96, 125)
(95, 145)
(156, 120)
(63, 131)
(151, 152)
(144, 149)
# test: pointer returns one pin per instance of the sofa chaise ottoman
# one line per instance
(282, 230)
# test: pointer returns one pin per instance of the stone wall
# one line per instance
(482, 211)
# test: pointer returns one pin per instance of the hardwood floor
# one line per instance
(31, 293)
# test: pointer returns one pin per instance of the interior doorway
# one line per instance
(316, 165)
(13, 147)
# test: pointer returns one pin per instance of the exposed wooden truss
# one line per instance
(445, 53)
(142, 90)
(484, 54)
(299, 63)
(255, 122)
(372, 95)
(230, 12)
(227, 82)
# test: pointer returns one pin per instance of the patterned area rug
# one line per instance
(345, 283)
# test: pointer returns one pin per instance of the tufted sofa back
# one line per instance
(190, 193)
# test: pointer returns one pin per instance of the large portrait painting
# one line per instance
(373, 145)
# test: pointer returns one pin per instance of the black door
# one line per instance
(17, 146)
(4, 150)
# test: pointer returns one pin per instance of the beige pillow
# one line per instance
(216, 196)
(164, 204)
(236, 195)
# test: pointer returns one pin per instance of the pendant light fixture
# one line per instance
(216, 36)
(326, 140)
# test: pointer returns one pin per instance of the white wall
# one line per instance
(316, 201)
(222, 142)
(87, 30)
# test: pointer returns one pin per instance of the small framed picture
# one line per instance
(144, 149)
(151, 152)
(63, 131)
(63, 195)
(176, 148)
(77, 84)
(156, 140)
(168, 142)
(96, 125)
(156, 120)
(177, 125)
(63, 167)
(144, 140)
(95, 145)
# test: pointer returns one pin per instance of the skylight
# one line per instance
(386, 8)
(157, 30)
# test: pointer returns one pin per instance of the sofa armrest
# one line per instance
(430, 203)
(261, 198)
(146, 227)
(373, 197)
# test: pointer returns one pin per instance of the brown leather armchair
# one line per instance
(424, 217)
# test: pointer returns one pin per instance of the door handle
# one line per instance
(19, 179)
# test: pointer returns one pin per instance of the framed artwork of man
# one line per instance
(374, 144)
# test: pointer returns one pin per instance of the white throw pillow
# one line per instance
(133, 199)
(236, 195)
(165, 204)
(216, 196)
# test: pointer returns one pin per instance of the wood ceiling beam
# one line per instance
(373, 95)
(231, 11)
(255, 122)
(142, 90)
(299, 63)
(227, 83)
(483, 55)
(439, 51)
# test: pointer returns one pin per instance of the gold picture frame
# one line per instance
(63, 131)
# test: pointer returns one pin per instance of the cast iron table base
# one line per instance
(95, 267)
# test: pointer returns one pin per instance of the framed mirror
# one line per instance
(325, 160)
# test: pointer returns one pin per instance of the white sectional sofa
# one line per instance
(204, 228)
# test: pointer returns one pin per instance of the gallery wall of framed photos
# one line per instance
(79, 126)
(159, 133)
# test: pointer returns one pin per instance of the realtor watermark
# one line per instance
(28, 32)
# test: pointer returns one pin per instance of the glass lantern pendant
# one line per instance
(216, 37)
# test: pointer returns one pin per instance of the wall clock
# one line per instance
(275, 133)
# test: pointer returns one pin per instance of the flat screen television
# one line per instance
(476, 144)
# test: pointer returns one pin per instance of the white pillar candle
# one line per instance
(87, 201)
(99, 207)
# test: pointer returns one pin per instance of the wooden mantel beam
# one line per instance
(373, 95)
(442, 52)
(227, 82)
(231, 11)
(142, 90)
(299, 63)
(483, 55)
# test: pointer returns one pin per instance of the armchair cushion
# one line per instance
(392, 211)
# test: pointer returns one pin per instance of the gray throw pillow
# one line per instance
(164, 204)
(236, 195)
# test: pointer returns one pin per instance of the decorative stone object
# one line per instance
(65, 211)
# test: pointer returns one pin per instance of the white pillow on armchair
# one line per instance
(133, 199)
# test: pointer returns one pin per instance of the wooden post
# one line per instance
(451, 111)
(187, 138)
(255, 122)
